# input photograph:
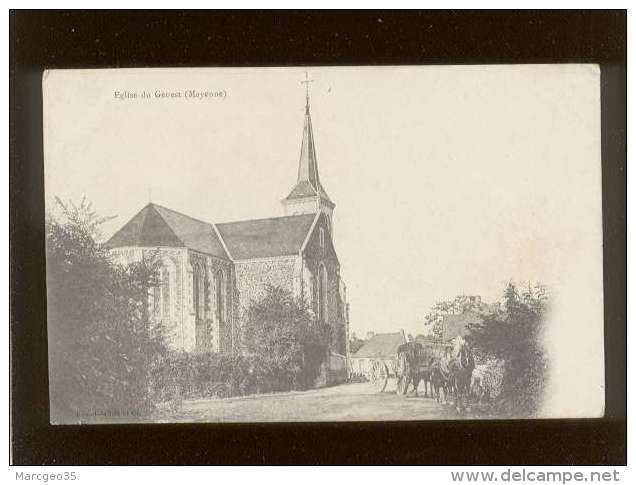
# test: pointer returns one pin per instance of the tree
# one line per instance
(101, 340)
(289, 344)
(446, 307)
(513, 334)
(355, 344)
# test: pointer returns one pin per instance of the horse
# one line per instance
(461, 369)
(440, 380)
(411, 368)
(426, 376)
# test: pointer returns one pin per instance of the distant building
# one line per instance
(458, 325)
(382, 347)
(425, 339)
(466, 310)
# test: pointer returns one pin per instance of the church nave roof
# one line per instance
(159, 226)
(155, 225)
(262, 238)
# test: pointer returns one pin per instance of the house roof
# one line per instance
(381, 345)
(261, 238)
(155, 225)
(456, 325)
(425, 338)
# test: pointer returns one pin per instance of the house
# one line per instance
(457, 325)
(380, 347)
(468, 310)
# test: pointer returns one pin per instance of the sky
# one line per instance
(447, 179)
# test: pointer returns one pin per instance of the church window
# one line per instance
(156, 300)
(165, 292)
(198, 290)
(322, 237)
(321, 300)
(220, 296)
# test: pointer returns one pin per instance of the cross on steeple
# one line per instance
(308, 196)
(306, 83)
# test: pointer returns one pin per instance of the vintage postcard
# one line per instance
(324, 243)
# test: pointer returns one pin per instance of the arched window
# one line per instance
(220, 295)
(198, 290)
(163, 292)
(321, 300)
(156, 299)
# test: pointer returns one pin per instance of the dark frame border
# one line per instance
(40, 40)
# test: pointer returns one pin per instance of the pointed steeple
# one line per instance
(308, 194)
(308, 166)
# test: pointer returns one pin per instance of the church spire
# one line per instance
(308, 165)
(308, 195)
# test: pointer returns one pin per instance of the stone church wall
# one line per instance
(253, 276)
(176, 259)
(180, 324)
(316, 254)
(218, 329)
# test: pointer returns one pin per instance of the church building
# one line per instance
(211, 272)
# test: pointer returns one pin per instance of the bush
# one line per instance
(286, 349)
(289, 346)
(101, 341)
(513, 335)
(182, 375)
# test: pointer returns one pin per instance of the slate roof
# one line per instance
(302, 189)
(155, 225)
(146, 228)
(425, 339)
(261, 238)
(381, 345)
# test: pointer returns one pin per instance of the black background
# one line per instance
(40, 40)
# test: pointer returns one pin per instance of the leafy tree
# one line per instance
(514, 334)
(101, 340)
(288, 343)
(355, 344)
(435, 316)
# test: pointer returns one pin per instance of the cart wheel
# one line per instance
(380, 375)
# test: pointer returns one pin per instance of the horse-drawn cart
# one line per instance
(414, 360)
(444, 368)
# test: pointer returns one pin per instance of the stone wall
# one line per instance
(243, 282)
(174, 260)
(253, 276)
(180, 321)
(315, 255)
(215, 322)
